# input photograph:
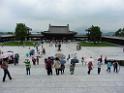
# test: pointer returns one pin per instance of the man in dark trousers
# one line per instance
(99, 64)
(28, 66)
(49, 63)
(4, 66)
(59, 47)
(115, 66)
(90, 67)
(72, 65)
(62, 62)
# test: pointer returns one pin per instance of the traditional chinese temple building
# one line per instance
(59, 32)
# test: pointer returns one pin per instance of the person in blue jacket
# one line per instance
(109, 65)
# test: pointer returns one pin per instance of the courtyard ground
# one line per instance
(80, 82)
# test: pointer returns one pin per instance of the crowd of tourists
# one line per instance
(57, 62)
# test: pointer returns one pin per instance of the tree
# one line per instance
(117, 33)
(120, 32)
(94, 33)
(88, 34)
(21, 32)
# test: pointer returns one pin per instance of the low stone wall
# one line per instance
(113, 40)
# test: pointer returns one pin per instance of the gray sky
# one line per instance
(80, 14)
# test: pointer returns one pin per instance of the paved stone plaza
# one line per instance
(80, 82)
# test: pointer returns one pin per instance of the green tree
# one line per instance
(94, 33)
(117, 33)
(120, 32)
(21, 32)
(88, 34)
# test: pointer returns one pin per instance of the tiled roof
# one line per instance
(58, 29)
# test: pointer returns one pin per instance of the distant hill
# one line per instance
(4, 33)
(80, 30)
(108, 33)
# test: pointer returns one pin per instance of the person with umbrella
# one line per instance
(72, 65)
(90, 64)
(90, 67)
(87, 60)
(57, 65)
(62, 62)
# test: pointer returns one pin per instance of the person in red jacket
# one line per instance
(90, 67)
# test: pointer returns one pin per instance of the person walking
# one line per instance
(43, 51)
(37, 47)
(99, 64)
(28, 66)
(105, 60)
(82, 61)
(72, 65)
(4, 66)
(34, 60)
(57, 65)
(59, 46)
(109, 65)
(17, 58)
(48, 65)
(68, 57)
(100, 59)
(90, 67)
(37, 58)
(62, 61)
(116, 66)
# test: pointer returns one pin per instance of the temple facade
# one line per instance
(58, 32)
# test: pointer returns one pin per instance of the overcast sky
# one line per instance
(80, 14)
